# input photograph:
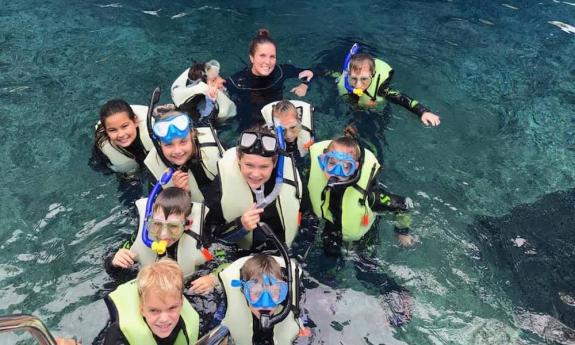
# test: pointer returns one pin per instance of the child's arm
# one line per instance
(395, 96)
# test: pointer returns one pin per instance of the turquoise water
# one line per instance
(500, 75)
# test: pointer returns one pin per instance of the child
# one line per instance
(175, 221)
(296, 119)
(200, 92)
(121, 138)
(192, 152)
(344, 192)
(151, 309)
(258, 280)
(366, 80)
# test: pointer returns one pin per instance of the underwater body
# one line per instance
(493, 185)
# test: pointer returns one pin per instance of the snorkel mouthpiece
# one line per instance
(160, 247)
(358, 92)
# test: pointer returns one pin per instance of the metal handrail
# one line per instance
(28, 323)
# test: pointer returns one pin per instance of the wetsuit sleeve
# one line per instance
(291, 71)
(118, 273)
(99, 162)
(381, 200)
(402, 99)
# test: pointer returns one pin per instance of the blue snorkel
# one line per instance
(158, 247)
(354, 50)
(261, 201)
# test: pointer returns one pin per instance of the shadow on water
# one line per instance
(532, 250)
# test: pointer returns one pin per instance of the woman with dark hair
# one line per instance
(262, 82)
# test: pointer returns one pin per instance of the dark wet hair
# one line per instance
(115, 106)
(197, 72)
(262, 36)
(284, 106)
(259, 265)
(349, 139)
(173, 200)
(261, 129)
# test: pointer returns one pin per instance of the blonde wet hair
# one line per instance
(358, 60)
(162, 278)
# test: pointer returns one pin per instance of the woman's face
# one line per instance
(121, 130)
(179, 151)
(264, 59)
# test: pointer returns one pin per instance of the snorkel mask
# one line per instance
(345, 74)
(158, 246)
(271, 292)
(337, 163)
(172, 127)
(260, 144)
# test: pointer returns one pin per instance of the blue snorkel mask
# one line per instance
(172, 127)
(337, 163)
(265, 294)
(345, 74)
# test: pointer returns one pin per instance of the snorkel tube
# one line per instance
(261, 200)
(266, 321)
(354, 49)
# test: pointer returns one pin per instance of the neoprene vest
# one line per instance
(189, 256)
(237, 196)
(210, 150)
(357, 217)
(238, 316)
(126, 301)
(305, 114)
(382, 73)
(121, 160)
(181, 93)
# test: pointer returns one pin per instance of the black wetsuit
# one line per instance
(221, 229)
(251, 93)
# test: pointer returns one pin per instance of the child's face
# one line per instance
(161, 312)
(168, 229)
(121, 130)
(274, 291)
(291, 125)
(361, 79)
(256, 169)
(179, 151)
(340, 148)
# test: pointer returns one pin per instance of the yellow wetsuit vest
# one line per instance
(238, 318)
(237, 196)
(382, 73)
(305, 114)
(133, 326)
(121, 160)
(357, 217)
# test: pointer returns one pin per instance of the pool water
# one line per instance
(500, 74)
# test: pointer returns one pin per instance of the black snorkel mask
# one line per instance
(268, 321)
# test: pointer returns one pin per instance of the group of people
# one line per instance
(221, 221)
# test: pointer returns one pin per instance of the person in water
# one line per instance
(174, 226)
(247, 190)
(262, 82)
(366, 80)
(296, 120)
(254, 286)
(191, 152)
(151, 309)
(344, 191)
(121, 139)
(200, 91)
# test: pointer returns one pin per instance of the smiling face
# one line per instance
(264, 59)
(121, 130)
(179, 151)
(161, 312)
(256, 169)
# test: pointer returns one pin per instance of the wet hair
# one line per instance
(358, 60)
(262, 37)
(115, 106)
(162, 278)
(173, 200)
(261, 129)
(258, 265)
(349, 140)
(197, 72)
(284, 107)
